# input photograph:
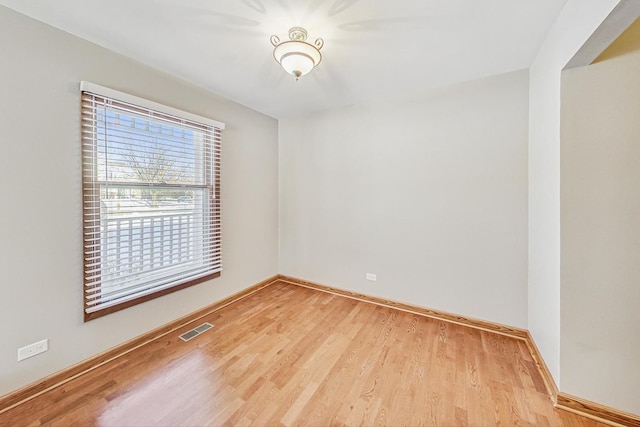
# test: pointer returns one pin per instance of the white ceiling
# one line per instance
(373, 48)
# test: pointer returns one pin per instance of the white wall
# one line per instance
(600, 213)
(429, 193)
(577, 21)
(40, 197)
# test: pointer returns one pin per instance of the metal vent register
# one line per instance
(195, 331)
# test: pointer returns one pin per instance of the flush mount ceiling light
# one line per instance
(296, 55)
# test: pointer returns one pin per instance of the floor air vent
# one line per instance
(196, 331)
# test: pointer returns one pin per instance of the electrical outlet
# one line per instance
(33, 349)
(371, 276)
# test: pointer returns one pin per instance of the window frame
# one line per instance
(91, 198)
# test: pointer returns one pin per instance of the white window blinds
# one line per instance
(151, 199)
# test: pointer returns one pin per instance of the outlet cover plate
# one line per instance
(33, 349)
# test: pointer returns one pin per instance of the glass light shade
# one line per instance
(296, 64)
(297, 57)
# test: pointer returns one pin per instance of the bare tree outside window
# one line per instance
(155, 167)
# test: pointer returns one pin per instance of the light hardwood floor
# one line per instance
(289, 355)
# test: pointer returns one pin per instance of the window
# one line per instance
(151, 199)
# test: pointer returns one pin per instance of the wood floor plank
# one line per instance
(290, 355)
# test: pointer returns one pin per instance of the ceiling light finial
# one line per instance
(296, 55)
